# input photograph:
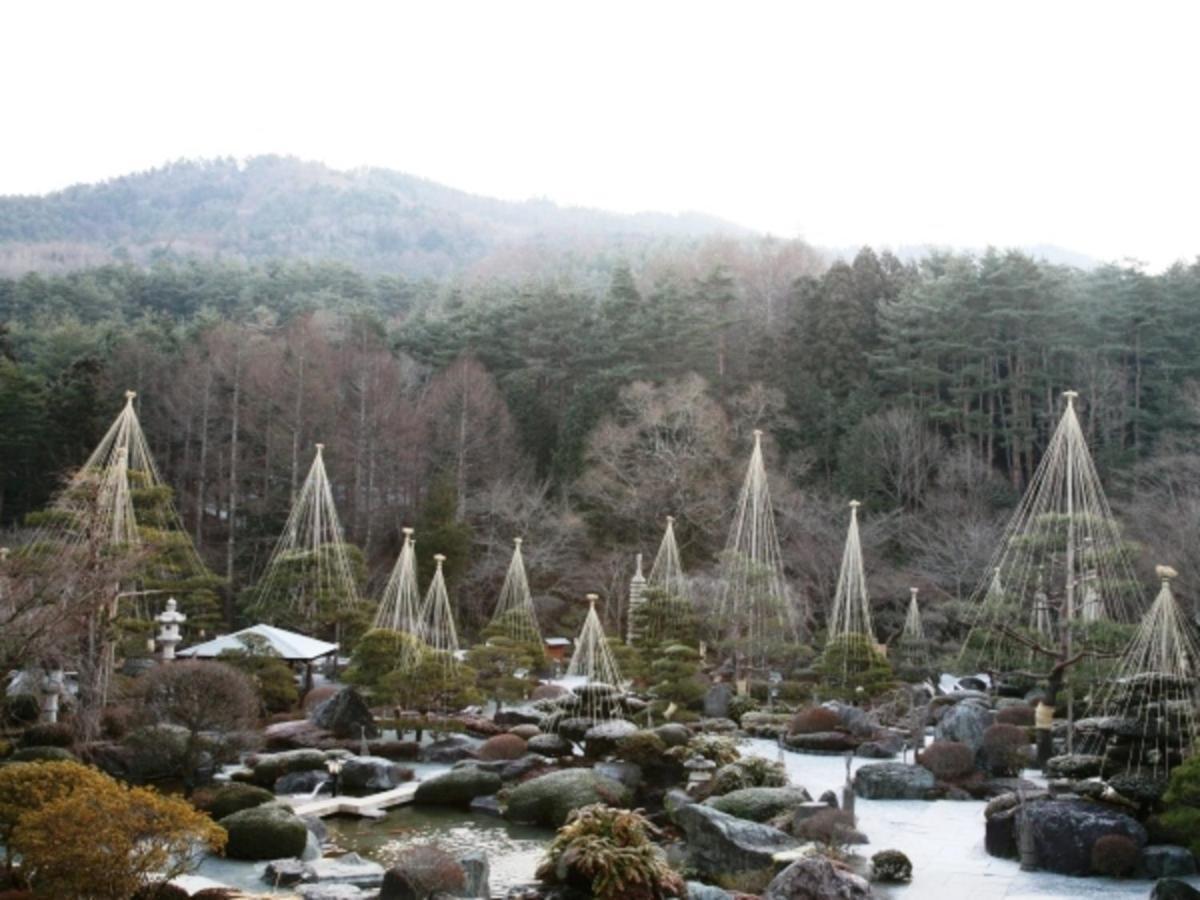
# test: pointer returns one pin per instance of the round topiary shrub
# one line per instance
(948, 760)
(1115, 855)
(264, 832)
(234, 797)
(1006, 749)
(891, 867)
(1016, 715)
(814, 720)
(502, 746)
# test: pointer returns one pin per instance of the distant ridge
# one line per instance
(274, 207)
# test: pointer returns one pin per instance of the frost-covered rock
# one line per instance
(893, 781)
(719, 844)
(1063, 832)
(549, 799)
(458, 787)
(965, 722)
(816, 878)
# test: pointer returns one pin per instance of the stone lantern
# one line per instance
(49, 691)
(170, 619)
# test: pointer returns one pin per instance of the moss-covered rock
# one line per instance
(264, 832)
(234, 797)
(267, 768)
(760, 804)
(549, 799)
(458, 787)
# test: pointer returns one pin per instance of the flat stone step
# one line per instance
(369, 807)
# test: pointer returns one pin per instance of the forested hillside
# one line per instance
(580, 417)
(269, 207)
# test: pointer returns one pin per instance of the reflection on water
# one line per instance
(513, 850)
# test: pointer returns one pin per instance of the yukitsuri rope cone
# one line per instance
(515, 616)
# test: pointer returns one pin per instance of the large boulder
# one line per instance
(1063, 832)
(760, 804)
(372, 773)
(719, 844)
(301, 782)
(549, 799)
(264, 832)
(449, 749)
(716, 700)
(893, 781)
(1167, 861)
(1075, 765)
(478, 872)
(267, 768)
(458, 787)
(816, 878)
(674, 734)
(350, 868)
(511, 717)
(346, 714)
(965, 722)
(294, 734)
(550, 745)
(1173, 889)
(601, 740)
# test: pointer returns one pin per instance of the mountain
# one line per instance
(272, 207)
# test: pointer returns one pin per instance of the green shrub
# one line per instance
(264, 832)
(721, 750)
(645, 748)
(891, 867)
(853, 667)
(613, 851)
(748, 772)
(1115, 855)
(739, 705)
(1182, 800)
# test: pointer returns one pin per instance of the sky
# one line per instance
(893, 123)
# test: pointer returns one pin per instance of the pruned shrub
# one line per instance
(1115, 855)
(749, 772)
(264, 832)
(116, 721)
(645, 748)
(231, 798)
(891, 867)
(48, 734)
(739, 705)
(108, 840)
(1182, 799)
(42, 754)
(502, 746)
(422, 871)
(948, 760)
(1006, 749)
(814, 720)
(721, 750)
(20, 709)
(1015, 715)
(611, 852)
(27, 787)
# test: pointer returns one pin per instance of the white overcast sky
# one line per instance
(964, 123)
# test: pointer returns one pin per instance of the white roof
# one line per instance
(557, 642)
(287, 644)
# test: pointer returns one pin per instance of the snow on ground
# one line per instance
(944, 840)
